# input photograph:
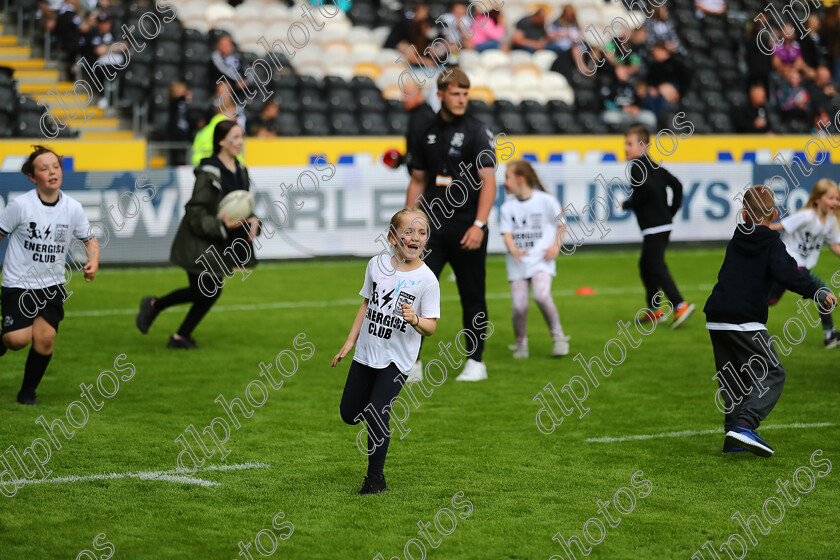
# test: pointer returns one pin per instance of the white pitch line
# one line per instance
(687, 433)
(173, 475)
(357, 301)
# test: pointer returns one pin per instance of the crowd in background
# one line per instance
(796, 81)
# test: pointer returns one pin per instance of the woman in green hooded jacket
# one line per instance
(207, 247)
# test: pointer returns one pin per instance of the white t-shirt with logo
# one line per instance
(533, 223)
(39, 236)
(385, 337)
(805, 235)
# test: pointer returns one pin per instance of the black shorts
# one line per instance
(20, 307)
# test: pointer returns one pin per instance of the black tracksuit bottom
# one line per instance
(750, 376)
(470, 269)
(654, 271)
(368, 396)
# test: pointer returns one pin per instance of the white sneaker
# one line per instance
(561, 345)
(473, 371)
(520, 350)
(513, 346)
(416, 372)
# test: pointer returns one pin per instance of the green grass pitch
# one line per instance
(477, 438)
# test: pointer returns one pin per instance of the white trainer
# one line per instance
(473, 371)
(416, 372)
(561, 345)
(520, 350)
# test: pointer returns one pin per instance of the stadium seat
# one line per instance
(370, 100)
(397, 122)
(8, 99)
(540, 124)
(341, 99)
(287, 99)
(315, 124)
(374, 124)
(531, 107)
(565, 123)
(363, 15)
(512, 122)
(588, 100)
(288, 124)
(344, 124)
(591, 123)
(359, 83)
(721, 123)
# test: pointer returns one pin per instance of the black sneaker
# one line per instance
(832, 341)
(27, 398)
(373, 485)
(146, 314)
(184, 343)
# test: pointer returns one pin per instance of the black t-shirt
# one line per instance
(439, 149)
(531, 30)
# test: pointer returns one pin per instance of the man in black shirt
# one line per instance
(649, 201)
(755, 118)
(453, 163)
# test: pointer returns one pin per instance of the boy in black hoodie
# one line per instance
(736, 314)
(649, 200)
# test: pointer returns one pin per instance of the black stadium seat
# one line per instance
(315, 124)
(287, 99)
(539, 123)
(370, 100)
(341, 99)
(512, 123)
(374, 124)
(344, 124)
(397, 122)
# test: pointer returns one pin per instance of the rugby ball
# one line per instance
(237, 204)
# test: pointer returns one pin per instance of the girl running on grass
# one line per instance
(533, 239)
(39, 225)
(805, 233)
(401, 305)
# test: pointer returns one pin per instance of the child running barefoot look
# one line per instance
(805, 232)
(736, 313)
(402, 304)
(39, 225)
(533, 243)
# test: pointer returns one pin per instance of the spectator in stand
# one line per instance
(563, 33)
(104, 49)
(759, 63)
(622, 106)
(814, 52)
(530, 34)
(178, 127)
(265, 125)
(710, 8)
(660, 29)
(225, 62)
(831, 37)
(637, 49)
(455, 22)
(489, 31)
(789, 55)
(71, 28)
(754, 119)
(414, 47)
(667, 78)
(823, 95)
(203, 141)
(793, 99)
(401, 29)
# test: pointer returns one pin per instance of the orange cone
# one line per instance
(585, 291)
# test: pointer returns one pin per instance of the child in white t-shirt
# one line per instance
(40, 225)
(533, 238)
(806, 231)
(402, 304)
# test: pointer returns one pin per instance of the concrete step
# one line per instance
(14, 53)
(62, 114)
(40, 88)
(60, 99)
(115, 135)
(36, 76)
(93, 124)
(21, 64)
(8, 40)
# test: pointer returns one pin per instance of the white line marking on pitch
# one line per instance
(702, 432)
(355, 302)
(174, 475)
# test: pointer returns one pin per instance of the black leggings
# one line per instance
(369, 389)
(201, 303)
(654, 271)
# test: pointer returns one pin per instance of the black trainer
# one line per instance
(146, 314)
(27, 398)
(832, 341)
(184, 343)
(373, 485)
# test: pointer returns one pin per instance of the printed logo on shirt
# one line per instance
(61, 233)
(8, 321)
(46, 252)
(431, 138)
(808, 246)
(403, 297)
(457, 139)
